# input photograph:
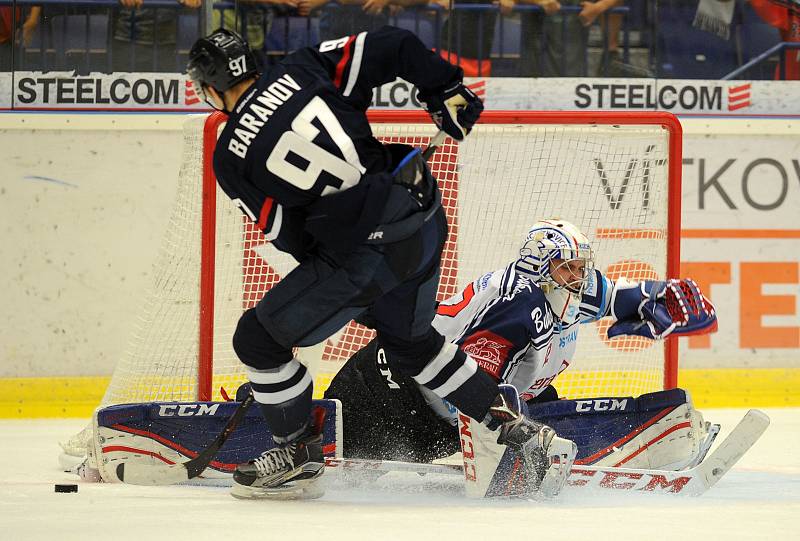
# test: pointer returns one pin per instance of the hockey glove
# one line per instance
(454, 111)
(657, 309)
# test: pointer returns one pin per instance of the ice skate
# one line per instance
(283, 473)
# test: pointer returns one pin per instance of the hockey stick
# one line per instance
(435, 142)
(170, 474)
(692, 482)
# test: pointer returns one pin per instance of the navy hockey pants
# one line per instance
(390, 288)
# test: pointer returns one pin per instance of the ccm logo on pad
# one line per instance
(601, 404)
(186, 410)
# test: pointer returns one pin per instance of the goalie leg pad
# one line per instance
(495, 470)
(172, 432)
(660, 430)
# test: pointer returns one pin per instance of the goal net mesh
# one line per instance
(610, 180)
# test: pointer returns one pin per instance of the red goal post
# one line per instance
(666, 122)
(616, 175)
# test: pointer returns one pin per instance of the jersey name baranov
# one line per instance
(504, 322)
(300, 137)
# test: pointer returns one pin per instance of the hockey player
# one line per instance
(521, 324)
(365, 223)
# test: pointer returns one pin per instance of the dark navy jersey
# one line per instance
(297, 154)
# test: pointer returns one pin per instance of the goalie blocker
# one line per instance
(659, 431)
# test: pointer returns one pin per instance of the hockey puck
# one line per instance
(66, 488)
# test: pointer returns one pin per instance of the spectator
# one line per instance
(348, 17)
(9, 19)
(786, 18)
(554, 44)
(145, 39)
(253, 20)
(472, 27)
(467, 36)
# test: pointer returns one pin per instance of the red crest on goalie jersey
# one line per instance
(488, 349)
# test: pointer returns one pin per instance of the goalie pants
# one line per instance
(385, 415)
(390, 288)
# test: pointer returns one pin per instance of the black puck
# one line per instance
(66, 488)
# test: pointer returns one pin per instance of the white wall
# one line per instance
(741, 231)
(85, 200)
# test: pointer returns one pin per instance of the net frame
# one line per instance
(666, 121)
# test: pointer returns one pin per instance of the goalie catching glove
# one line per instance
(454, 111)
(656, 309)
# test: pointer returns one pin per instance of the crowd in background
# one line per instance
(528, 38)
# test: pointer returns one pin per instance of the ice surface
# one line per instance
(759, 498)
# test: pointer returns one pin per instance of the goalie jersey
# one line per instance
(504, 322)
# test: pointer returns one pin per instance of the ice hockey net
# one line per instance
(616, 175)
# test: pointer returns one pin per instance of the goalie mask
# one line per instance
(559, 259)
(220, 60)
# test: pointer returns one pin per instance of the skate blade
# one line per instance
(561, 454)
(295, 491)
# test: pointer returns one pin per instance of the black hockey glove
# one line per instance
(454, 111)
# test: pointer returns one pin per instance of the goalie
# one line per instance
(521, 325)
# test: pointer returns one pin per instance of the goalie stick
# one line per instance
(692, 482)
(154, 474)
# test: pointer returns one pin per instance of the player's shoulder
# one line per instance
(519, 288)
(518, 296)
(530, 305)
(310, 64)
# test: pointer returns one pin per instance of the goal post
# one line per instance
(615, 175)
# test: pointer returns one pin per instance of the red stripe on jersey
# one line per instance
(266, 210)
(337, 80)
(453, 309)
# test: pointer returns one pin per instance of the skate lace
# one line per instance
(273, 460)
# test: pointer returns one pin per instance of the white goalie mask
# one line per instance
(559, 259)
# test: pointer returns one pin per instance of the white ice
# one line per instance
(758, 499)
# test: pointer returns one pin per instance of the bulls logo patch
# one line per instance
(489, 350)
